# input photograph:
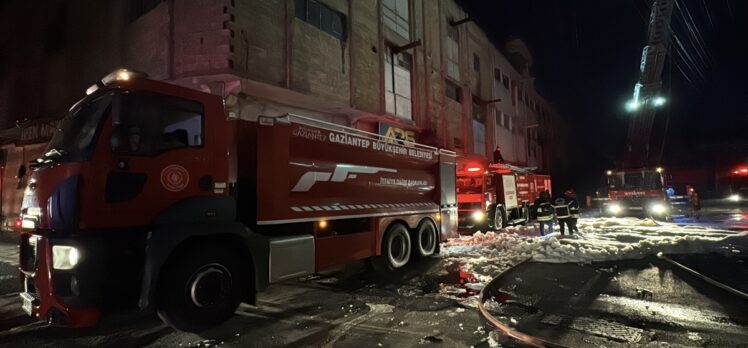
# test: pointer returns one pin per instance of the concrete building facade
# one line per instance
(413, 69)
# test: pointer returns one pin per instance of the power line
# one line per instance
(695, 32)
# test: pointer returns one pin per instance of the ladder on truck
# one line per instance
(647, 98)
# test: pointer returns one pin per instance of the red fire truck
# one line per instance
(150, 195)
(496, 195)
(637, 192)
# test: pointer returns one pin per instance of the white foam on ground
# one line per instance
(485, 255)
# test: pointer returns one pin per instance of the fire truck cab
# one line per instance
(637, 192)
(493, 196)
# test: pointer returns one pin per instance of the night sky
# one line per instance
(586, 61)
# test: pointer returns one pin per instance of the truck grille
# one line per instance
(469, 206)
(28, 252)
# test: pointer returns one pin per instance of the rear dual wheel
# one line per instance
(399, 246)
(426, 239)
(396, 249)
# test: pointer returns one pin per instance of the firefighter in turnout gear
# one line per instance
(563, 213)
(571, 198)
(544, 211)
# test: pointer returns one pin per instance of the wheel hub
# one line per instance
(427, 240)
(399, 250)
(209, 286)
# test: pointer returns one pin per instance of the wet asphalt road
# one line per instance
(349, 307)
(619, 304)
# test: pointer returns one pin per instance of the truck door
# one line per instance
(448, 195)
(156, 155)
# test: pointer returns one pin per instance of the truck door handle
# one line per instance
(122, 164)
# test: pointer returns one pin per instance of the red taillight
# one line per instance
(473, 169)
(18, 223)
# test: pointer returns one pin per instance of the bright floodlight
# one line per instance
(632, 105)
(659, 101)
(734, 197)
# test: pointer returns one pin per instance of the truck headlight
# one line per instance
(28, 224)
(734, 197)
(615, 208)
(65, 257)
(658, 208)
(479, 216)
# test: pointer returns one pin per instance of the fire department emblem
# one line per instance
(174, 178)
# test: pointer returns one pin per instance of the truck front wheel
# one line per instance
(499, 219)
(201, 287)
(395, 249)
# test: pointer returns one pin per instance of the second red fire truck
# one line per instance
(637, 192)
(151, 196)
(492, 196)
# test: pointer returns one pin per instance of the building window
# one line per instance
(507, 122)
(505, 81)
(397, 68)
(477, 110)
(476, 62)
(497, 74)
(479, 128)
(396, 18)
(453, 51)
(322, 17)
(458, 143)
(137, 8)
(453, 91)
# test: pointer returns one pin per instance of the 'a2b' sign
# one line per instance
(397, 135)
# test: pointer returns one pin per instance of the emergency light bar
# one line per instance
(117, 75)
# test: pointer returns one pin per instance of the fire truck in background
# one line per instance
(637, 192)
(151, 196)
(737, 183)
(492, 196)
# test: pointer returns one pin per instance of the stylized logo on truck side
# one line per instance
(341, 173)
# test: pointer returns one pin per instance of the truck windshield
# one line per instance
(469, 184)
(73, 141)
(636, 180)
